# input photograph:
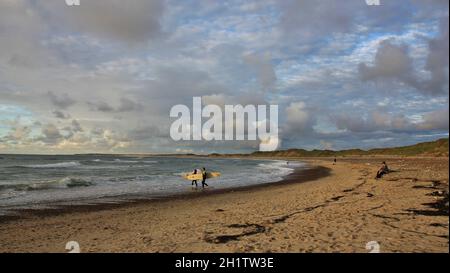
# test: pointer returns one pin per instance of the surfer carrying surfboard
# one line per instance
(194, 181)
(203, 178)
(200, 174)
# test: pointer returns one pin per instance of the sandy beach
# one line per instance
(333, 208)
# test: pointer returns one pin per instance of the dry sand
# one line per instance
(341, 212)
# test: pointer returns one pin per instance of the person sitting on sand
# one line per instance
(383, 170)
(204, 178)
(194, 181)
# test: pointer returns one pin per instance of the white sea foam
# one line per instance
(55, 165)
(125, 161)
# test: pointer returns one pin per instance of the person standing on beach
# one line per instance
(194, 181)
(204, 178)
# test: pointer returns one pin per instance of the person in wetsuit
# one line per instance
(194, 181)
(204, 178)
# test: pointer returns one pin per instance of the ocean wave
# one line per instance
(122, 161)
(67, 182)
(54, 165)
(72, 182)
(274, 165)
(277, 169)
(135, 161)
(125, 161)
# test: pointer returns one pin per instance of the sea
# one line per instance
(49, 181)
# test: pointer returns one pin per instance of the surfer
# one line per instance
(204, 178)
(194, 181)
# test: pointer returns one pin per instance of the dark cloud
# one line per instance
(50, 134)
(393, 62)
(307, 18)
(382, 122)
(374, 121)
(438, 61)
(125, 105)
(101, 107)
(264, 70)
(76, 127)
(135, 21)
(147, 132)
(97, 131)
(60, 115)
(62, 101)
(436, 120)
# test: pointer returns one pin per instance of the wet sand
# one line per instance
(333, 208)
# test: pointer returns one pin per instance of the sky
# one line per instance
(102, 77)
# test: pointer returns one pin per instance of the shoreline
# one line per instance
(339, 212)
(299, 175)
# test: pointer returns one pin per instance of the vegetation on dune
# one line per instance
(433, 148)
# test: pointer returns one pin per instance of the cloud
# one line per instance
(146, 133)
(60, 115)
(374, 121)
(438, 61)
(113, 140)
(264, 70)
(391, 62)
(101, 106)
(382, 121)
(326, 145)
(308, 20)
(18, 133)
(50, 134)
(299, 123)
(136, 22)
(20, 24)
(298, 118)
(394, 62)
(125, 105)
(435, 120)
(76, 127)
(222, 99)
(62, 101)
(131, 62)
